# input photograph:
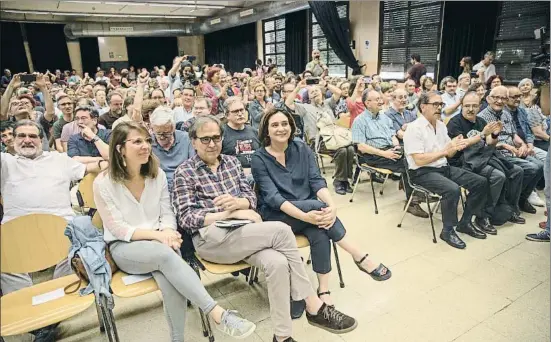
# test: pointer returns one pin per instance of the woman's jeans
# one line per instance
(176, 279)
(319, 238)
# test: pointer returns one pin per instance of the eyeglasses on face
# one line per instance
(206, 140)
(500, 98)
(140, 141)
(164, 135)
(436, 105)
(237, 111)
(24, 136)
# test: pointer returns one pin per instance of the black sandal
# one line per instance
(323, 294)
(376, 274)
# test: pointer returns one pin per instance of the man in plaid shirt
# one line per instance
(511, 145)
(211, 187)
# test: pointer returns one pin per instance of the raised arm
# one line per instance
(5, 103)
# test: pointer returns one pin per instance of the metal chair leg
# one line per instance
(322, 164)
(406, 209)
(431, 220)
(203, 324)
(309, 261)
(100, 318)
(108, 320)
(356, 186)
(462, 199)
(383, 185)
(374, 198)
(338, 264)
(252, 273)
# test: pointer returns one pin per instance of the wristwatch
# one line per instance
(94, 139)
(482, 136)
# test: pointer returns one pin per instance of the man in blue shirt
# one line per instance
(378, 145)
(171, 146)
(399, 114)
(91, 144)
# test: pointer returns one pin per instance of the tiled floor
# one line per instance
(495, 290)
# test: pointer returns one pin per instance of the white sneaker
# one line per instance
(235, 326)
(535, 200)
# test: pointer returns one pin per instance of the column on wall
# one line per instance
(259, 41)
(73, 46)
(192, 46)
(27, 48)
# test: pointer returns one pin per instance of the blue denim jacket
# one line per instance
(523, 120)
(88, 243)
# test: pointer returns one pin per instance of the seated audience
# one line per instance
(115, 110)
(494, 81)
(354, 101)
(543, 236)
(512, 146)
(210, 187)
(259, 106)
(378, 145)
(539, 123)
(291, 190)
(287, 89)
(6, 133)
(140, 228)
(91, 145)
(172, 147)
(480, 90)
(463, 83)
(185, 111)
(451, 99)
(409, 85)
(202, 106)
(320, 113)
(240, 140)
(427, 145)
(36, 181)
(480, 156)
(399, 114)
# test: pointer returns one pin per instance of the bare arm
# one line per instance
(291, 210)
(423, 159)
(365, 148)
(5, 103)
(540, 133)
(290, 101)
(48, 103)
(335, 91)
(87, 160)
(325, 196)
(452, 108)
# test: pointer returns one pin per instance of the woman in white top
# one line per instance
(140, 227)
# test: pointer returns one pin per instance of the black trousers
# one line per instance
(504, 187)
(446, 182)
(393, 165)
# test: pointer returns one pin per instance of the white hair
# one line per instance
(162, 115)
(524, 81)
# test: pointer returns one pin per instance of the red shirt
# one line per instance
(355, 108)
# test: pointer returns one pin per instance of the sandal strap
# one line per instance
(324, 293)
(362, 259)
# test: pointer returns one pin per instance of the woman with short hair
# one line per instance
(140, 228)
(292, 190)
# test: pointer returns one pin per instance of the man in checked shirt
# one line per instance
(211, 187)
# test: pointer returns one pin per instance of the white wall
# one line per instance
(364, 26)
(192, 46)
(112, 49)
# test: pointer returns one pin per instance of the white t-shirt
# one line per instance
(420, 137)
(489, 71)
(39, 185)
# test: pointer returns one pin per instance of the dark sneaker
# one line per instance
(527, 208)
(332, 320)
(340, 188)
(416, 210)
(348, 187)
(297, 308)
(290, 339)
(542, 236)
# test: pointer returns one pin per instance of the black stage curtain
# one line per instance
(147, 52)
(12, 50)
(48, 47)
(466, 37)
(234, 47)
(330, 23)
(89, 51)
(295, 38)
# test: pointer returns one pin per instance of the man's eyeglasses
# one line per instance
(200, 108)
(24, 136)
(436, 105)
(475, 106)
(162, 136)
(237, 111)
(206, 140)
(515, 97)
(500, 98)
(140, 141)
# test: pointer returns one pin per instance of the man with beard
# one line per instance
(480, 157)
(511, 145)
(452, 100)
(65, 104)
(115, 110)
(33, 182)
(316, 67)
(91, 144)
(399, 115)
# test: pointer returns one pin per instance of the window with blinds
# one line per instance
(409, 27)
(515, 39)
(274, 41)
(318, 41)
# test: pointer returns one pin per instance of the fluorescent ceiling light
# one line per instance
(85, 2)
(24, 12)
(123, 3)
(104, 15)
